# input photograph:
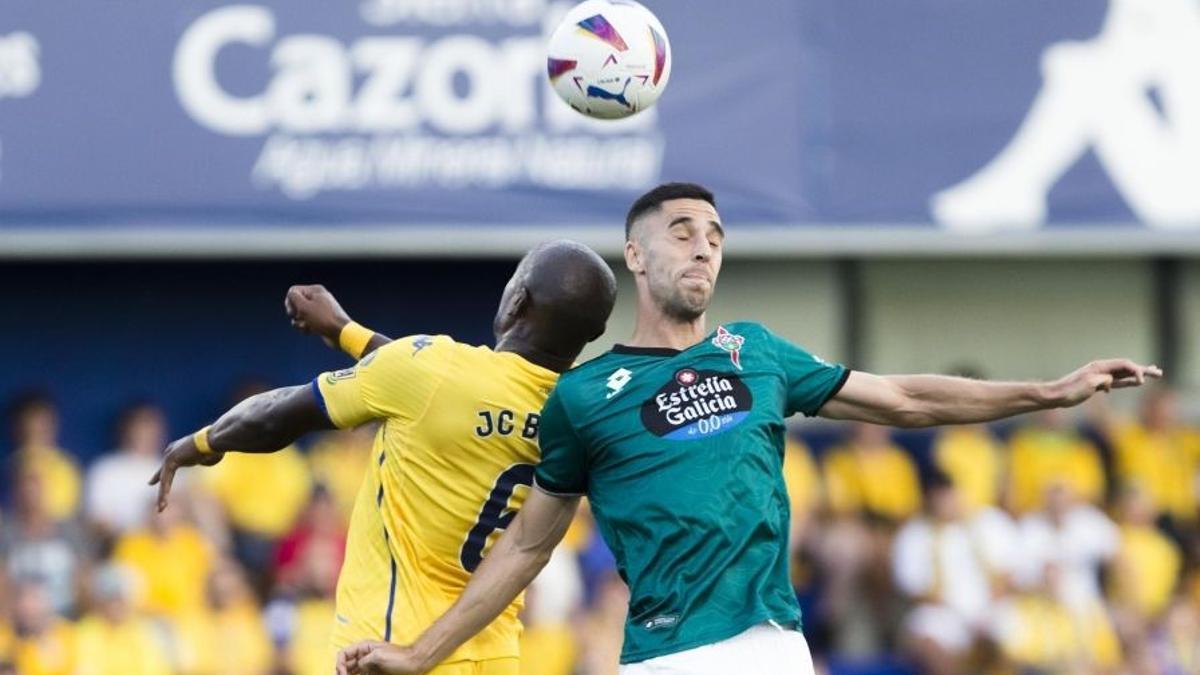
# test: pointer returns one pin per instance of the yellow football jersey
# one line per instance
(452, 462)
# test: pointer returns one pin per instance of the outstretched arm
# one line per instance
(273, 420)
(930, 400)
(313, 310)
(521, 552)
(264, 422)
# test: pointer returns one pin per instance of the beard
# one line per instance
(680, 304)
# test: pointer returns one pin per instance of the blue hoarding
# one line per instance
(952, 117)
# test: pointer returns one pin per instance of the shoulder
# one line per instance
(413, 349)
(749, 330)
(753, 333)
(582, 373)
(574, 385)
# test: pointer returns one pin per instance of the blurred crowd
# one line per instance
(1053, 544)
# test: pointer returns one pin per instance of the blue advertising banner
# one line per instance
(838, 117)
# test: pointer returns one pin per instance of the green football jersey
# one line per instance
(680, 454)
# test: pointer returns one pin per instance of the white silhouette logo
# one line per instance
(617, 381)
(1131, 95)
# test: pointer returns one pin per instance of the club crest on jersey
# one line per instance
(730, 342)
(339, 375)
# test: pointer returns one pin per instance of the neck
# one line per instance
(652, 328)
(521, 345)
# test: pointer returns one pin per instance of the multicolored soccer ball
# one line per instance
(609, 58)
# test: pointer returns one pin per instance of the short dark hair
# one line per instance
(26, 401)
(131, 412)
(936, 479)
(653, 199)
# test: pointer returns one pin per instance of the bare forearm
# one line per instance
(929, 400)
(266, 422)
(499, 579)
(938, 399)
(513, 563)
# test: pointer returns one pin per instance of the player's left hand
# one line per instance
(378, 658)
(313, 309)
(1098, 376)
(180, 453)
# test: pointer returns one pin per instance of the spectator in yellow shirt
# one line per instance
(115, 640)
(339, 462)
(45, 644)
(228, 637)
(802, 479)
(1147, 564)
(171, 560)
(262, 496)
(1049, 452)
(1160, 454)
(7, 639)
(871, 486)
(803, 482)
(301, 621)
(974, 459)
(34, 423)
(972, 456)
(1038, 634)
(871, 475)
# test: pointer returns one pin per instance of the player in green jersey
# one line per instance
(676, 438)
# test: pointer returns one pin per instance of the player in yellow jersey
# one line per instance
(454, 454)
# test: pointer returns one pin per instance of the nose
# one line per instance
(702, 250)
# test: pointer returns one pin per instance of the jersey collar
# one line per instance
(646, 351)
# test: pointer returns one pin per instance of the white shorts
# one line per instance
(765, 649)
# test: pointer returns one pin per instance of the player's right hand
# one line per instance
(378, 658)
(180, 453)
(314, 310)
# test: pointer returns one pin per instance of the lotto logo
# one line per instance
(617, 381)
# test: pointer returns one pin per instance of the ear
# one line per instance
(633, 257)
(520, 302)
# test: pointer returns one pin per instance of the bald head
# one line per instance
(559, 299)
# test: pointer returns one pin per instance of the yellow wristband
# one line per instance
(354, 338)
(200, 440)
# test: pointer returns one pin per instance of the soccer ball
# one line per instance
(609, 58)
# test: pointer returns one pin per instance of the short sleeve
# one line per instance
(563, 469)
(811, 381)
(395, 381)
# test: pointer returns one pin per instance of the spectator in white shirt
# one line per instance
(1073, 537)
(118, 498)
(951, 567)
